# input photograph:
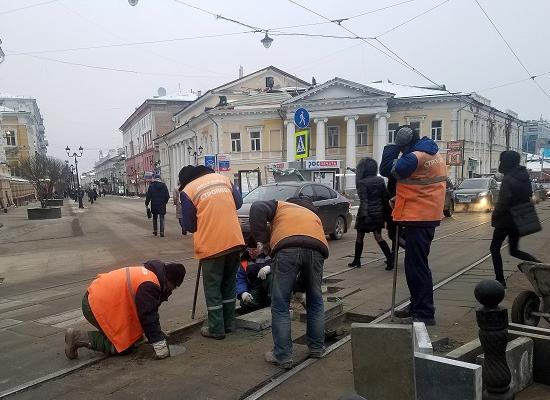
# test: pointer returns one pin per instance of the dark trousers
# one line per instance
(513, 241)
(417, 271)
(98, 340)
(219, 281)
(161, 217)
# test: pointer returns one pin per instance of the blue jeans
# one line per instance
(287, 263)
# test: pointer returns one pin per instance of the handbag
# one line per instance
(149, 214)
(525, 218)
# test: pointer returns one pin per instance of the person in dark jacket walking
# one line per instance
(123, 305)
(515, 189)
(158, 196)
(373, 209)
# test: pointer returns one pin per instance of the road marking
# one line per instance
(5, 323)
(61, 317)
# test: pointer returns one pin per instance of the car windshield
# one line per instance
(474, 184)
(275, 192)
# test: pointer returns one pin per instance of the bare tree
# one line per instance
(44, 172)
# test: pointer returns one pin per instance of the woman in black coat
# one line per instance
(515, 189)
(373, 209)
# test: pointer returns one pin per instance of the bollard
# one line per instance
(493, 327)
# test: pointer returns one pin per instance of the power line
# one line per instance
(531, 76)
(413, 18)
(27, 7)
(514, 82)
(219, 16)
(105, 46)
(131, 71)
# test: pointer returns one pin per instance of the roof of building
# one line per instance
(4, 109)
(260, 99)
(175, 97)
(406, 91)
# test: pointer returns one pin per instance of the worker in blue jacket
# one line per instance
(254, 279)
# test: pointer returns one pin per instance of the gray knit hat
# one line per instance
(404, 136)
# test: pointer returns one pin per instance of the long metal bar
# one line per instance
(395, 257)
(196, 291)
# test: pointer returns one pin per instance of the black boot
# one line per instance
(357, 256)
(387, 252)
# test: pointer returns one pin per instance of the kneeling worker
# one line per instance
(254, 279)
(298, 246)
(123, 304)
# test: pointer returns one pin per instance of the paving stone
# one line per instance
(342, 294)
(519, 357)
(34, 329)
(383, 361)
(422, 342)
(257, 320)
(439, 378)
(467, 352)
(541, 355)
(332, 309)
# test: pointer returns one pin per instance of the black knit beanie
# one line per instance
(175, 273)
(191, 172)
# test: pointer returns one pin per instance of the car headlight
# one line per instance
(483, 194)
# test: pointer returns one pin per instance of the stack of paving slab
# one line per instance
(397, 362)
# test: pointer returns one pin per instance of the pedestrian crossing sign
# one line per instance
(301, 144)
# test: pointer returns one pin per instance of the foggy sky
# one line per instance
(454, 44)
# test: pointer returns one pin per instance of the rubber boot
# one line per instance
(387, 252)
(357, 256)
(75, 339)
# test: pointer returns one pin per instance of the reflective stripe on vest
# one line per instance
(421, 196)
(294, 220)
(218, 227)
(112, 301)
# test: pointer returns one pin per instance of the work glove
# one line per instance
(246, 297)
(260, 247)
(263, 272)
(161, 350)
(392, 202)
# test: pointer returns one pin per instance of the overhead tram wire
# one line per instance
(391, 54)
(514, 82)
(27, 7)
(531, 76)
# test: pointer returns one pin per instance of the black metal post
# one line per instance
(493, 328)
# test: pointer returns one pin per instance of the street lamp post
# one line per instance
(194, 153)
(76, 155)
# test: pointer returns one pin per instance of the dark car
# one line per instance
(333, 207)
(476, 194)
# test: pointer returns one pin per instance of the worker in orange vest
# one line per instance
(123, 304)
(421, 176)
(209, 204)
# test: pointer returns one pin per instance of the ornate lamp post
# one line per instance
(194, 153)
(76, 155)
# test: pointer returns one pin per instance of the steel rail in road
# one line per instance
(283, 377)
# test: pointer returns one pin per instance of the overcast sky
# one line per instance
(454, 44)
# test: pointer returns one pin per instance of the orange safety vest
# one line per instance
(112, 300)
(421, 197)
(293, 220)
(218, 227)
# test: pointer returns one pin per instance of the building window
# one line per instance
(361, 131)
(255, 140)
(10, 138)
(333, 134)
(437, 129)
(236, 142)
(392, 128)
(415, 126)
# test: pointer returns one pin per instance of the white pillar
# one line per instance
(380, 139)
(351, 139)
(320, 135)
(290, 130)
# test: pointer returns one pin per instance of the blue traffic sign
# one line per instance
(210, 161)
(301, 118)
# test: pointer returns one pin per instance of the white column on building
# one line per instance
(320, 135)
(290, 130)
(171, 160)
(380, 139)
(351, 139)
